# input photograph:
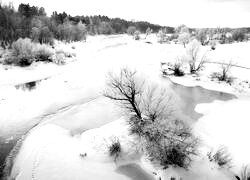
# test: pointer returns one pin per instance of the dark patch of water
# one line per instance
(134, 172)
(28, 86)
(189, 97)
(5, 149)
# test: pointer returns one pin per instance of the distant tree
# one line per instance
(41, 11)
(201, 36)
(181, 29)
(69, 32)
(10, 25)
(27, 10)
(238, 35)
(162, 36)
(196, 60)
(59, 18)
(131, 30)
(45, 36)
(35, 34)
(36, 22)
(80, 32)
(137, 35)
(105, 28)
(148, 32)
(184, 38)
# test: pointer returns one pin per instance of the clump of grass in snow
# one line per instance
(245, 173)
(224, 74)
(177, 67)
(221, 157)
(115, 148)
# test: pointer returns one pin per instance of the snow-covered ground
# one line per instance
(68, 100)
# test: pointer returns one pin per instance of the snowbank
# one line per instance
(226, 124)
(50, 152)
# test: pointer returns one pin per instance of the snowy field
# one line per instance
(76, 119)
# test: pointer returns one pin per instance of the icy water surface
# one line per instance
(134, 172)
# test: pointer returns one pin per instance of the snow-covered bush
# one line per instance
(59, 58)
(195, 59)
(221, 157)
(115, 149)
(43, 52)
(23, 52)
(170, 143)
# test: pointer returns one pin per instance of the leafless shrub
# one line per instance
(177, 67)
(196, 61)
(245, 173)
(221, 157)
(224, 74)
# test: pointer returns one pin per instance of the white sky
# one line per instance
(193, 13)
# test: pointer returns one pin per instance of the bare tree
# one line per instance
(148, 32)
(123, 88)
(184, 38)
(196, 61)
(132, 93)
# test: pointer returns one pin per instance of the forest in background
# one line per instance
(32, 22)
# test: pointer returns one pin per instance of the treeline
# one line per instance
(206, 36)
(222, 35)
(105, 25)
(33, 22)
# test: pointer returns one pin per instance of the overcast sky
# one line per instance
(193, 13)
